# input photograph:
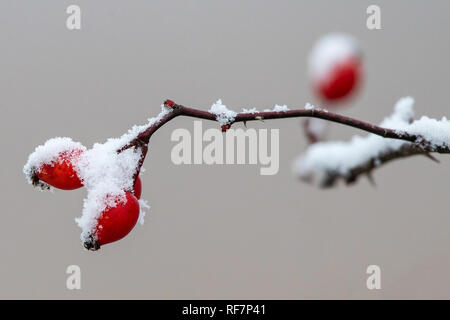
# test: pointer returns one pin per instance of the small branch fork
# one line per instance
(419, 145)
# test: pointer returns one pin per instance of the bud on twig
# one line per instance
(169, 104)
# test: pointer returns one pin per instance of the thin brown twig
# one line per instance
(419, 144)
(180, 110)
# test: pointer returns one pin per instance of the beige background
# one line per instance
(220, 231)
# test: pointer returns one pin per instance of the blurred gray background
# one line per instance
(220, 231)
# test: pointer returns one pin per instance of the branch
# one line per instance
(416, 144)
(330, 178)
(398, 136)
(180, 110)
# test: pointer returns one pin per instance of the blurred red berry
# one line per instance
(336, 68)
(341, 81)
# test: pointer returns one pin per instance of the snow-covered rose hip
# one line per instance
(335, 66)
(60, 173)
(116, 222)
(55, 164)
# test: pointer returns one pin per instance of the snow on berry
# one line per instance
(115, 221)
(335, 66)
(322, 159)
(106, 174)
(330, 50)
(56, 151)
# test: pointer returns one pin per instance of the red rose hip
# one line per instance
(336, 68)
(342, 80)
(115, 223)
(60, 173)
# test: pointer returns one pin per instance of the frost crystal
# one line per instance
(223, 114)
(278, 108)
(282, 108)
(142, 205)
(252, 110)
(309, 106)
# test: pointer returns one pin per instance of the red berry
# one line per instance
(341, 81)
(60, 173)
(335, 65)
(115, 223)
(137, 190)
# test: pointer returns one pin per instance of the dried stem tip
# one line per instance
(169, 103)
(225, 127)
(91, 244)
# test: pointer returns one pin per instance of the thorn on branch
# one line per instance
(371, 179)
(432, 158)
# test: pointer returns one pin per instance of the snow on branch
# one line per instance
(328, 162)
(110, 171)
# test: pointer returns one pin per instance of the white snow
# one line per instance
(340, 157)
(104, 172)
(135, 130)
(252, 110)
(48, 154)
(435, 131)
(142, 205)
(279, 108)
(309, 106)
(223, 114)
(330, 50)
(318, 127)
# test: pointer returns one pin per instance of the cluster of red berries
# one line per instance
(113, 223)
